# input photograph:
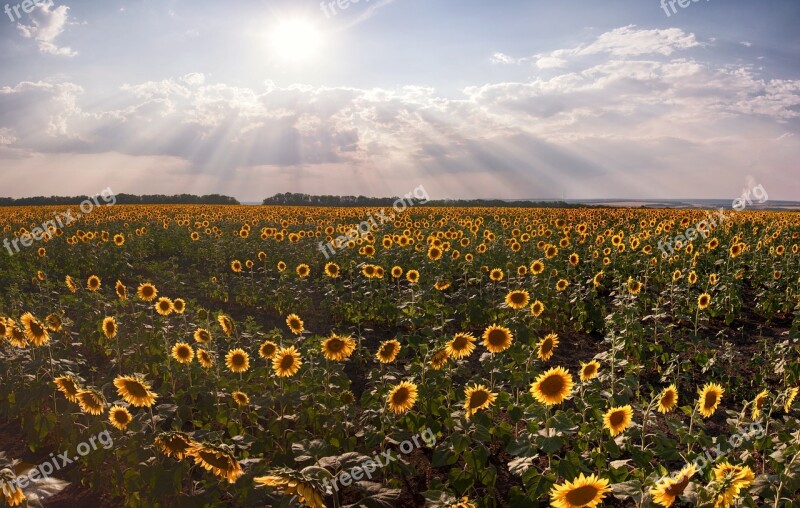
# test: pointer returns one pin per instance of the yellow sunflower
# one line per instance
(205, 359)
(617, 419)
(295, 324)
(35, 331)
(226, 323)
(553, 386)
(287, 362)
(758, 403)
(668, 400)
(338, 348)
(240, 398)
(589, 370)
(732, 479)
(183, 352)
(496, 274)
(237, 361)
(537, 308)
(790, 396)
(134, 391)
(710, 397)
(173, 444)
(215, 459)
(439, 358)
(667, 491)
(179, 305)
(703, 301)
(462, 345)
(397, 272)
(517, 299)
(309, 492)
(412, 276)
(477, 397)
(303, 270)
(93, 283)
(147, 292)
(202, 336)
(497, 338)
(121, 290)
(91, 401)
(546, 346)
(71, 285)
(562, 284)
(164, 306)
(267, 350)
(109, 327)
(68, 386)
(119, 417)
(402, 397)
(332, 270)
(584, 491)
(537, 267)
(388, 351)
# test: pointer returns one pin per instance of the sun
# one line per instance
(295, 40)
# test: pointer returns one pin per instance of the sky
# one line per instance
(510, 99)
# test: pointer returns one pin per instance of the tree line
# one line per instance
(126, 199)
(298, 199)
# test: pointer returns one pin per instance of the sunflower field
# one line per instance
(556, 357)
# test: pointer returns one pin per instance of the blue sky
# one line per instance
(511, 99)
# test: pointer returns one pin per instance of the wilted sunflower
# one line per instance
(668, 399)
(537, 308)
(332, 270)
(546, 346)
(710, 397)
(205, 358)
(215, 459)
(10, 492)
(338, 348)
(758, 403)
(790, 396)
(388, 351)
(93, 283)
(287, 362)
(91, 401)
(617, 419)
(462, 345)
(303, 270)
(35, 331)
(732, 479)
(309, 491)
(226, 323)
(267, 350)
(412, 276)
(703, 301)
(589, 370)
(497, 338)
(477, 397)
(667, 491)
(295, 324)
(164, 306)
(202, 336)
(402, 397)
(68, 386)
(147, 292)
(240, 398)
(553, 386)
(70, 282)
(584, 491)
(179, 305)
(134, 391)
(237, 361)
(439, 358)
(109, 327)
(173, 444)
(183, 352)
(119, 417)
(517, 299)
(121, 290)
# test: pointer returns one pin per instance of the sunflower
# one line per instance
(477, 397)
(93, 283)
(758, 403)
(402, 397)
(584, 491)
(439, 358)
(537, 308)
(397, 272)
(309, 492)
(135, 391)
(109, 327)
(215, 459)
(790, 396)
(388, 351)
(236, 266)
(183, 353)
(70, 282)
(676, 275)
(517, 299)
(589, 370)
(710, 396)
(462, 345)
(205, 358)
(173, 444)
(562, 284)
(634, 286)
(281, 266)
(537, 267)
(164, 306)
(496, 274)
(35, 331)
(303, 270)
(597, 280)
(464, 502)
(146, 292)
(237, 361)
(497, 338)
(121, 290)
(267, 350)
(10, 492)
(226, 323)
(546, 346)
(553, 386)
(68, 386)
(332, 270)
(732, 480)
(617, 419)
(667, 491)
(412, 276)
(668, 399)
(119, 417)
(338, 348)
(692, 278)
(241, 398)
(91, 401)
(435, 253)
(703, 301)
(202, 336)
(179, 305)
(441, 285)
(295, 324)
(287, 362)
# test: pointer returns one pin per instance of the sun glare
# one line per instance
(295, 40)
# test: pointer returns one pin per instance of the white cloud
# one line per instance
(47, 24)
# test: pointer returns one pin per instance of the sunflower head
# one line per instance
(668, 490)
(546, 346)
(338, 348)
(553, 386)
(183, 353)
(202, 336)
(147, 292)
(309, 491)
(589, 370)
(68, 386)
(402, 397)
(617, 419)
(517, 299)
(110, 327)
(216, 459)
(91, 401)
(134, 391)
(267, 350)
(462, 345)
(295, 324)
(388, 351)
(237, 361)
(710, 397)
(119, 417)
(93, 283)
(164, 306)
(240, 398)
(497, 338)
(668, 399)
(287, 362)
(477, 397)
(537, 308)
(584, 491)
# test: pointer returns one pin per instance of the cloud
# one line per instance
(47, 23)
